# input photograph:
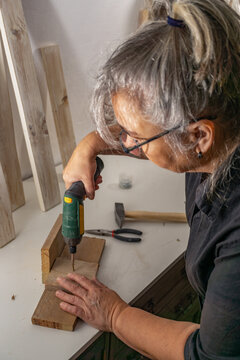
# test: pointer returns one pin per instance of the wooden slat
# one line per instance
(7, 232)
(52, 248)
(90, 250)
(46, 313)
(59, 100)
(23, 75)
(8, 151)
(49, 314)
(63, 266)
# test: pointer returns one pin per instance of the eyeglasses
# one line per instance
(136, 150)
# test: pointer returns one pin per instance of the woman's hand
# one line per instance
(91, 301)
(82, 166)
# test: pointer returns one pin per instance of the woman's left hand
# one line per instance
(91, 301)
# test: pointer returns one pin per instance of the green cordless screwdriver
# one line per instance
(73, 212)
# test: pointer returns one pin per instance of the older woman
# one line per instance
(171, 94)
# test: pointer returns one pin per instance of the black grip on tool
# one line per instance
(128, 231)
(77, 189)
(126, 238)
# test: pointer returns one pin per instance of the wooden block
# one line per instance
(26, 89)
(52, 248)
(56, 262)
(7, 232)
(59, 100)
(89, 250)
(49, 314)
(8, 151)
(63, 266)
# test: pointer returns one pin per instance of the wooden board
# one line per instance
(8, 150)
(26, 89)
(59, 100)
(63, 266)
(56, 262)
(49, 314)
(89, 250)
(7, 232)
(52, 248)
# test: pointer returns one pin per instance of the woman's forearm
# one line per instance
(154, 337)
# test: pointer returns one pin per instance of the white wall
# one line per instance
(86, 31)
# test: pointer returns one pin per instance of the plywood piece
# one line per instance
(7, 232)
(8, 151)
(90, 250)
(26, 89)
(63, 266)
(52, 248)
(59, 100)
(49, 314)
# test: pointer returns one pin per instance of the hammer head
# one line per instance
(119, 214)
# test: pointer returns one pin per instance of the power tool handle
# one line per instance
(77, 188)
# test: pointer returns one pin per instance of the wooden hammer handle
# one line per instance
(156, 216)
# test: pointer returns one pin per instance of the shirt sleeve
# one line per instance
(219, 335)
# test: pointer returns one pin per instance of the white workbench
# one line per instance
(126, 268)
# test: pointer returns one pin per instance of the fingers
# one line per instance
(81, 280)
(72, 286)
(72, 309)
(69, 298)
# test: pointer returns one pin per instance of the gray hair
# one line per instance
(178, 74)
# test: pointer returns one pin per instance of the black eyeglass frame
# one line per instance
(127, 150)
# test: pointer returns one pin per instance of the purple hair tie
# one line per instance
(174, 22)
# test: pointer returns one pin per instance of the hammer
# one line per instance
(121, 215)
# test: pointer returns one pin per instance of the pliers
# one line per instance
(114, 234)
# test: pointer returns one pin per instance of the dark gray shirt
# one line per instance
(213, 265)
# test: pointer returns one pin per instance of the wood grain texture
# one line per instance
(8, 150)
(52, 248)
(89, 250)
(49, 314)
(7, 232)
(23, 75)
(56, 262)
(63, 266)
(59, 100)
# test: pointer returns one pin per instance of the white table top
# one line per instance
(126, 268)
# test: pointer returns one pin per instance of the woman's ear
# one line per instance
(202, 134)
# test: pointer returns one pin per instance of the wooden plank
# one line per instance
(89, 250)
(63, 266)
(7, 232)
(24, 79)
(59, 100)
(8, 150)
(49, 314)
(52, 248)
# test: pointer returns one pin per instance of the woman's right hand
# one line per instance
(82, 167)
